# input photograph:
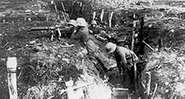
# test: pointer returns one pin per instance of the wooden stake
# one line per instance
(133, 33)
(110, 19)
(59, 33)
(148, 46)
(52, 36)
(148, 84)
(94, 15)
(101, 16)
(153, 95)
(135, 76)
(63, 7)
(56, 9)
(12, 79)
(133, 40)
(64, 12)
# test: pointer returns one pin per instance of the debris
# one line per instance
(29, 19)
(148, 46)
(3, 59)
(28, 11)
(66, 60)
(32, 42)
(67, 45)
(9, 48)
(155, 89)
(5, 45)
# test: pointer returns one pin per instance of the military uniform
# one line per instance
(125, 59)
(86, 40)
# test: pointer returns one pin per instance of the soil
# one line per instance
(13, 37)
(31, 46)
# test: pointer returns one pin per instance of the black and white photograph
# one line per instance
(92, 49)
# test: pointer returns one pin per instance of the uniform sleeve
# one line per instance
(122, 53)
(135, 58)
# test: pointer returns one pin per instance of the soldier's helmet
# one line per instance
(81, 22)
(93, 22)
(72, 22)
(110, 47)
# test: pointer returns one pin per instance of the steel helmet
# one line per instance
(72, 22)
(110, 47)
(93, 22)
(81, 22)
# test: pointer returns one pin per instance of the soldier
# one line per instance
(82, 33)
(125, 59)
(67, 31)
(97, 31)
(94, 28)
(85, 39)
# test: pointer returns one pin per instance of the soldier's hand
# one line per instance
(90, 31)
(135, 58)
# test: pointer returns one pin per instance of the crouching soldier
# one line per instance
(84, 37)
(94, 28)
(125, 59)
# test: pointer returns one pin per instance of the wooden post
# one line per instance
(133, 34)
(148, 84)
(12, 79)
(56, 9)
(70, 92)
(135, 77)
(94, 15)
(59, 33)
(64, 12)
(101, 16)
(52, 36)
(110, 19)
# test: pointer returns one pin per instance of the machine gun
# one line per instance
(53, 30)
(47, 28)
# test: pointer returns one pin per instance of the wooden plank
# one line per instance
(12, 79)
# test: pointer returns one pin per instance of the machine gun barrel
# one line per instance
(48, 28)
(42, 28)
